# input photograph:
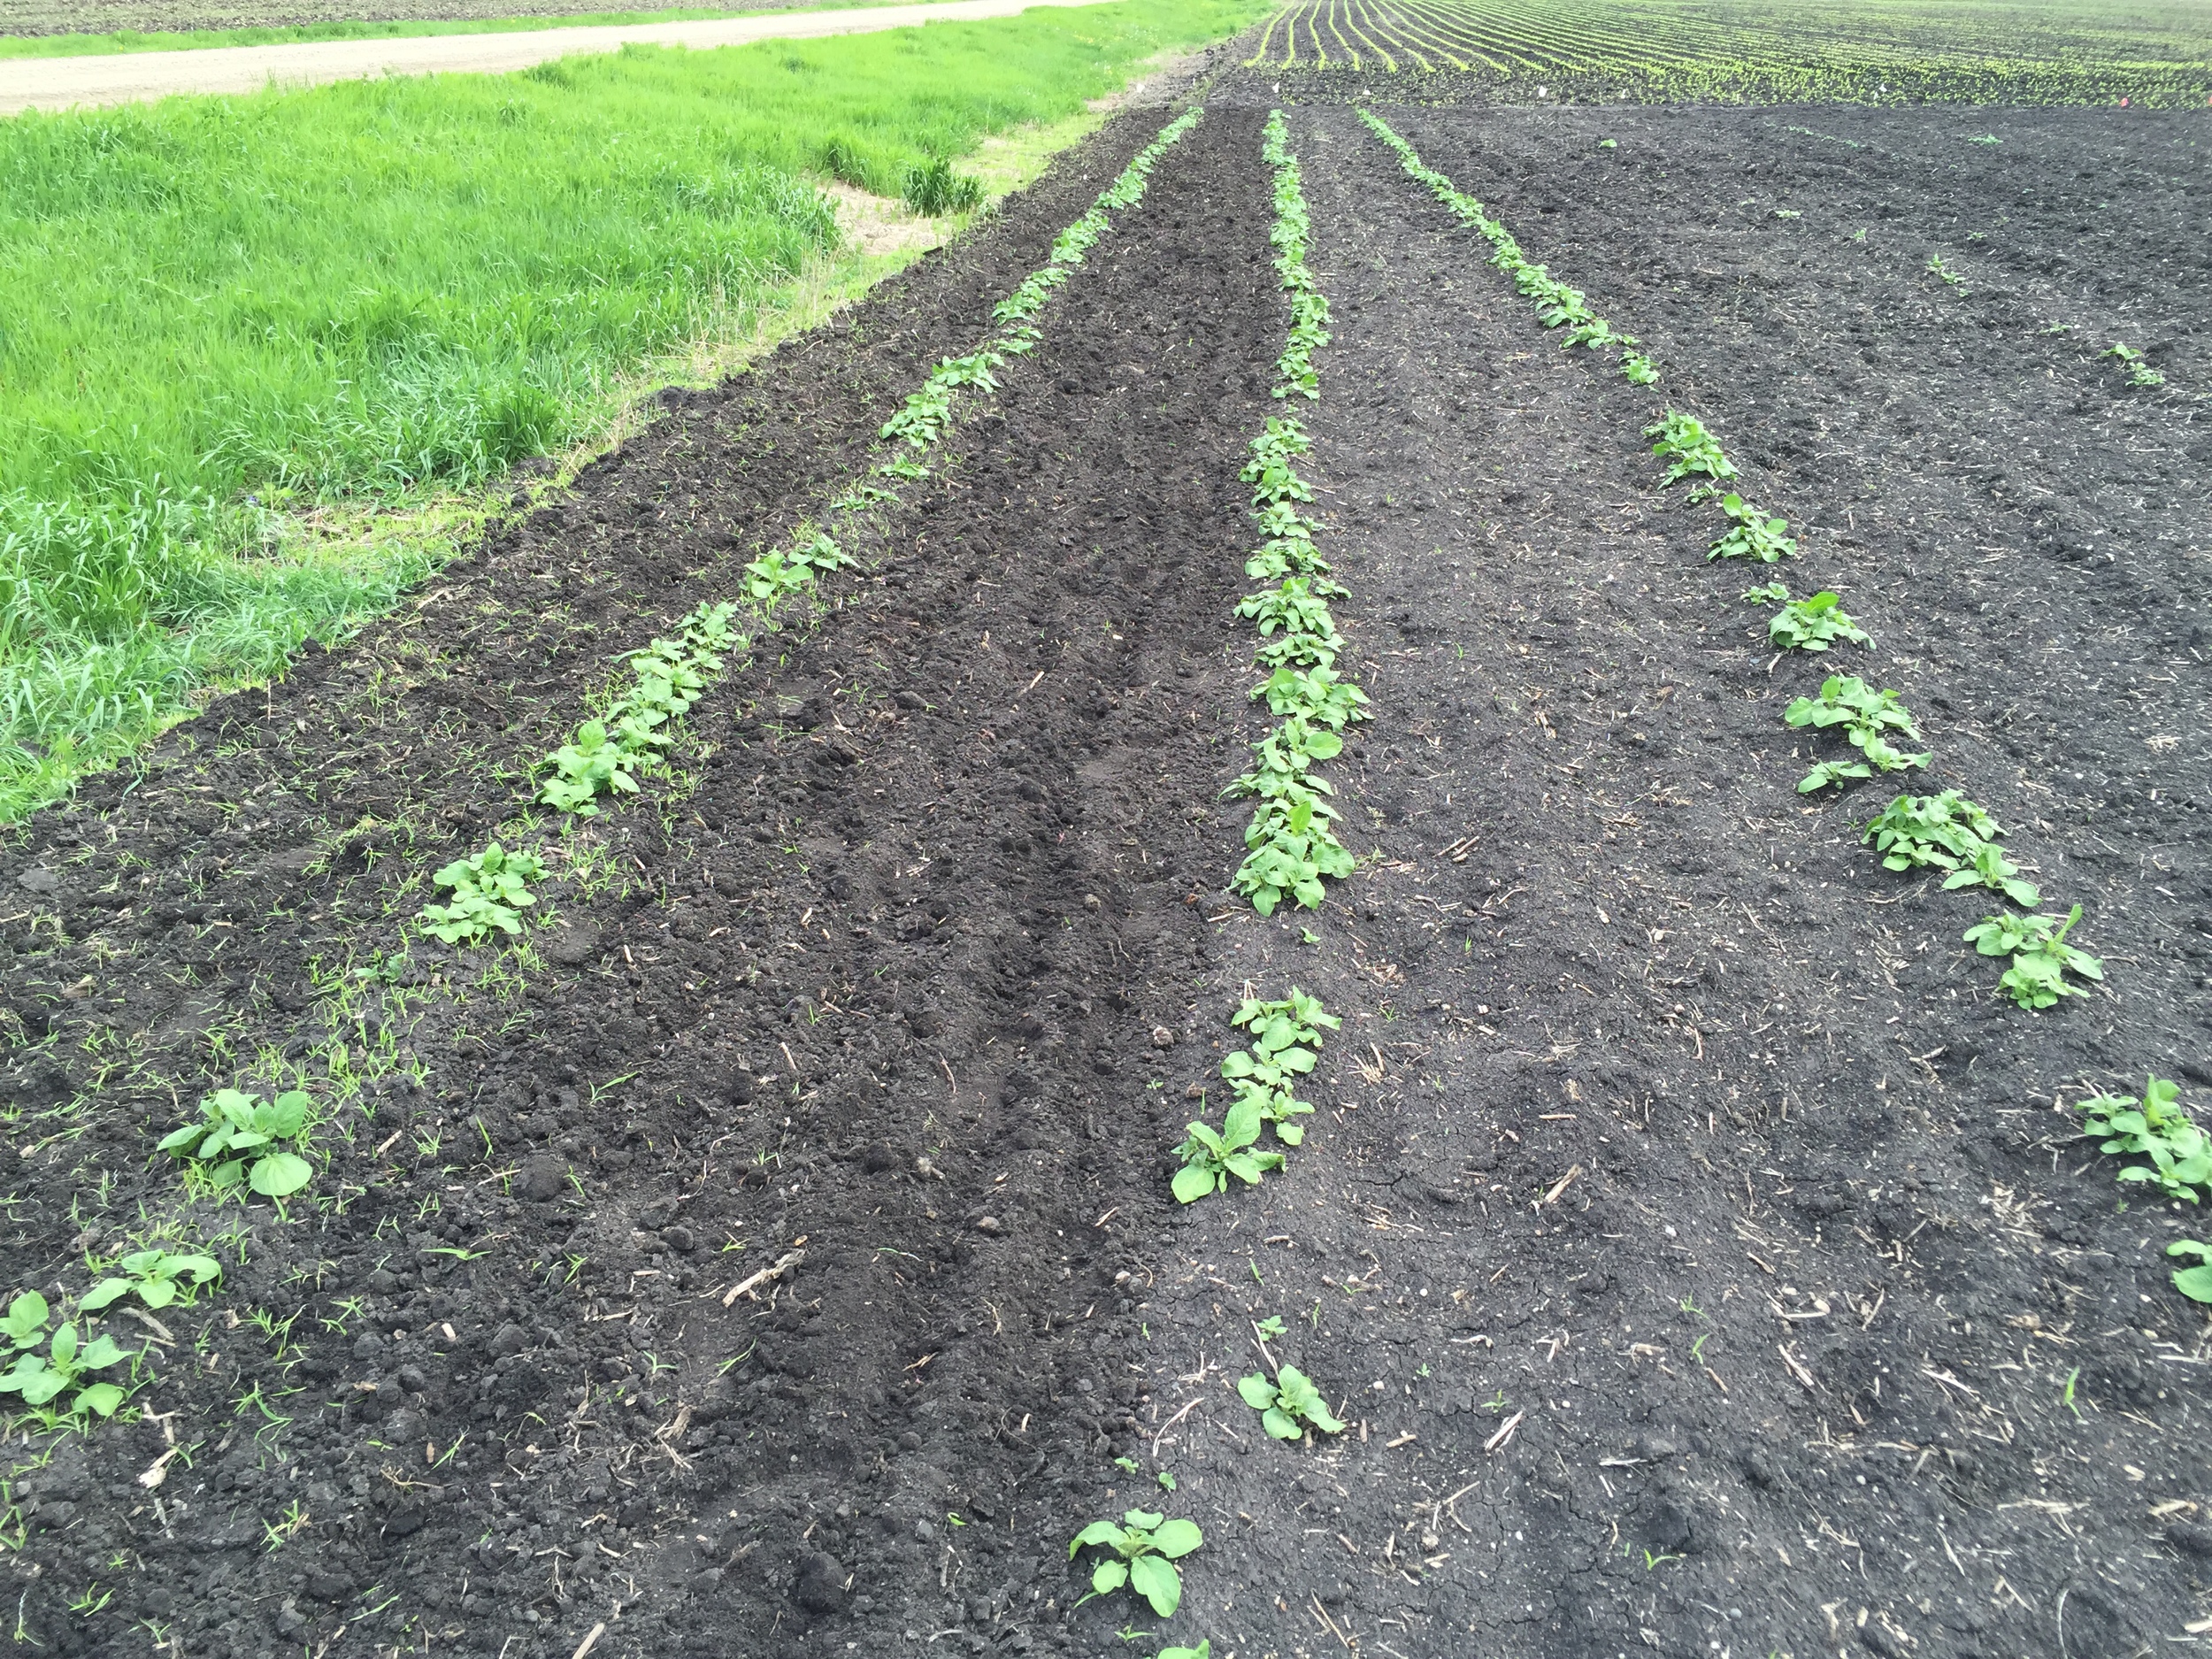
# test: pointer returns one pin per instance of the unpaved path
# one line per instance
(59, 83)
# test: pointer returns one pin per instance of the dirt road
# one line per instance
(59, 83)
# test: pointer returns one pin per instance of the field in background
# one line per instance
(1659, 51)
(34, 28)
(222, 319)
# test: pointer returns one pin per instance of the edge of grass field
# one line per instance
(118, 42)
(379, 546)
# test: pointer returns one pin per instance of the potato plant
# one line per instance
(1865, 717)
(2041, 958)
(668, 677)
(490, 892)
(1288, 1405)
(1142, 1550)
(1689, 451)
(1558, 305)
(155, 1276)
(1290, 846)
(1285, 1036)
(1941, 832)
(1211, 1156)
(238, 1139)
(1810, 624)
(2153, 1126)
(65, 1366)
(1751, 533)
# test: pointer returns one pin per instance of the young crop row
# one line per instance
(241, 1144)
(1944, 832)
(1291, 843)
(1283, 1040)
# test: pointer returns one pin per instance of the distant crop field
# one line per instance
(1856, 48)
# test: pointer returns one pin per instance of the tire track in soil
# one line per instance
(1026, 692)
(1792, 1345)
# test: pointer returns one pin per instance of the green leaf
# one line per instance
(1192, 1182)
(1097, 1532)
(287, 1114)
(1280, 1423)
(1177, 1538)
(101, 1353)
(1144, 1520)
(100, 1397)
(1157, 1582)
(1108, 1577)
(180, 1139)
(103, 1292)
(281, 1173)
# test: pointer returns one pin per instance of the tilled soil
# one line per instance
(775, 1256)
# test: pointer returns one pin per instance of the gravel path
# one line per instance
(59, 83)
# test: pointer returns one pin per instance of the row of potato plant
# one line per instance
(1944, 832)
(1285, 1036)
(242, 1145)
(1291, 843)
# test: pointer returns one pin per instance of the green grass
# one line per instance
(190, 40)
(218, 313)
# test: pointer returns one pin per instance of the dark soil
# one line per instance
(1687, 1225)
(1788, 1356)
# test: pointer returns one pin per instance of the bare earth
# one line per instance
(55, 83)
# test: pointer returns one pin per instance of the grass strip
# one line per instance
(220, 316)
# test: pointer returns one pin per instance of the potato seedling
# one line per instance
(1292, 607)
(1640, 369)
(1145, 1548)
(1752, 534)
(1813, 623)
(2154, 1127)
(1289, 851)
(1687, 449)
(1288, 1404)
(1314, 694)
(1285, 1033)
(1865, 716)
(236, 1140)
(1919, 831)
(1990, 868)
(67, 1365)
(2139, 372)
(590, 764)
(158, 1277)
(2193, 1282)
(1204, 1650)
(1210, 1158)
(489, 894)
(1286, 556)
(2041, 958)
